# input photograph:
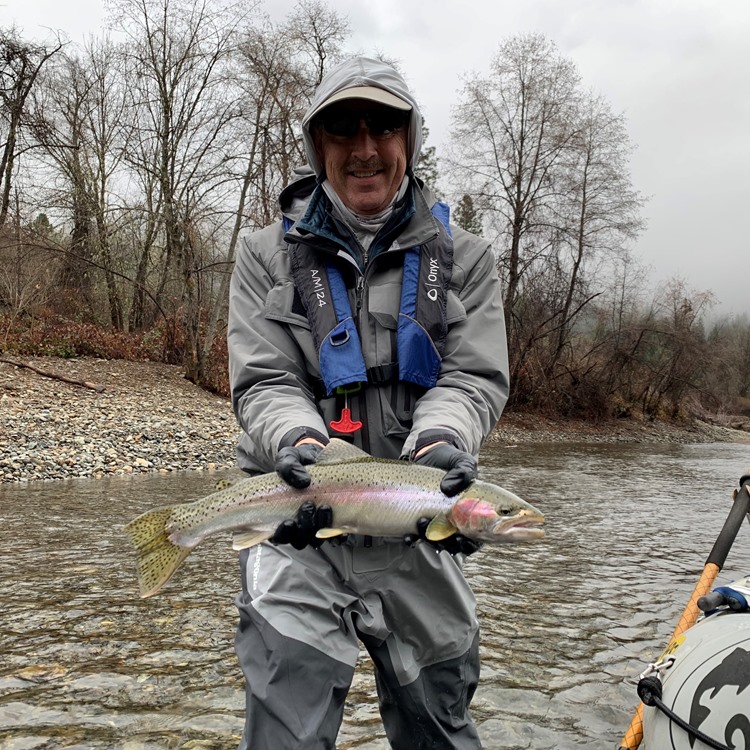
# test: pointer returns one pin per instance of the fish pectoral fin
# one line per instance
(440, 528)
(249, 538)
(330, 533)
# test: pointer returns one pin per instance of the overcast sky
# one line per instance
(679, 70)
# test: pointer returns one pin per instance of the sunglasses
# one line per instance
(346, 124)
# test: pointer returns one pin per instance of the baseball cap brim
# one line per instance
(371, 93)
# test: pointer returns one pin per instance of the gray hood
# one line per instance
(363, 71)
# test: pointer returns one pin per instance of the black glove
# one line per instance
(454, 545)
(300, 531)
(460, 467)
(291, 462)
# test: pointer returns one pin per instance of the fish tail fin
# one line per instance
(158, 558)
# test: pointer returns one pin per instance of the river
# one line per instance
(568, 622)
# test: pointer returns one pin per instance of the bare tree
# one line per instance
(546, 165)
(279, 68)
(26, 272)
(620, 333)
(598, 210)
(729, 369)
(316, 33)
(180, 53)
(511, 129)
(20, 64)
(678, 353)
(81, 130)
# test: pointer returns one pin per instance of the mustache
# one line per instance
(356, 165)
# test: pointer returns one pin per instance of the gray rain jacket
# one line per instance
(274, 368)
(274, 364)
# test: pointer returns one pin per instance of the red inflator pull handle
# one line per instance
(345, 424)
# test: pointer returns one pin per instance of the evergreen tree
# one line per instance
(467, 216)
(427, 166)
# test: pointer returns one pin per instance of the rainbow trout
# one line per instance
(369, 496)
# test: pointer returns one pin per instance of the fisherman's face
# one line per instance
(362, 146)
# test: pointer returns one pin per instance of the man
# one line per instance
(362, 315)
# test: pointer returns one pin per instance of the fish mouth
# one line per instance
(518, 528)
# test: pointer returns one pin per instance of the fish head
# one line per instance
(497, 520)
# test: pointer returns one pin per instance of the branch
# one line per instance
(54, 375)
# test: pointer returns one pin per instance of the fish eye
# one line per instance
(504, 511)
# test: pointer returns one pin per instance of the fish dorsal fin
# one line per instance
(339, 451)
(440, 528)
(223, 484)
(249, 538)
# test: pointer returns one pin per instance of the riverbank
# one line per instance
(124, 417)
(131, 417)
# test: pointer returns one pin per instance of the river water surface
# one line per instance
(568, 622)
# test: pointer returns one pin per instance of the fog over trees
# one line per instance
(129, 167)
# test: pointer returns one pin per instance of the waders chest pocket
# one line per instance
(375, 558)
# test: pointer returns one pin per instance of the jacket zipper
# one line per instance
(359, 293)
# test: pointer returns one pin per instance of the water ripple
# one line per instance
(567, 623)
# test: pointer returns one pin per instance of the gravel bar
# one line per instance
(145, 418)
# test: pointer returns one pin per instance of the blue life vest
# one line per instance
(422, 324)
